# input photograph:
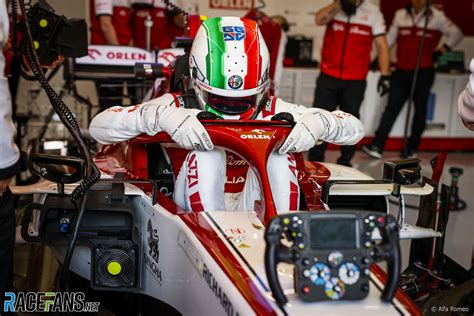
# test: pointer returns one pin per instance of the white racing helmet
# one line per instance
(229, 64)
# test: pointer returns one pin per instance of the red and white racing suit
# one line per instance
(203, 182)
(119, 10)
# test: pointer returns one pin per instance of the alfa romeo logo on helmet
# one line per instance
(235, 82)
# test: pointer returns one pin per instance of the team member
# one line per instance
(352, 26)
(229, 64)
(407, 31)
(166, 24)
(466, 101)
(9, 166)
(110, 25)
(110, 22)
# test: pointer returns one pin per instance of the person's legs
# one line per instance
(422, 93)
(399, 92)
(200, 182)
(327, 97)
(7, 244)
(282, 174)
(351, 100)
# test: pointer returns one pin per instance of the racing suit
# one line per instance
(466, 101)
(201, 182)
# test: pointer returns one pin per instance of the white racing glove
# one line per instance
(320, 125)
(304, 135)
(181, 124)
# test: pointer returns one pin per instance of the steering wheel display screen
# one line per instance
(335, 233)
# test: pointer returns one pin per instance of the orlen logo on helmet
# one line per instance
(258, 134)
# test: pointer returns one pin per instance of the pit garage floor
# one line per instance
(460, 231)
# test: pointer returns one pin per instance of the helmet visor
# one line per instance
(230, 105)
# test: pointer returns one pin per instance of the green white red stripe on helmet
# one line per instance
(229, 58)
(234, 57)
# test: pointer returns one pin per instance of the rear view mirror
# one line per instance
(58, 169)
(402, 172)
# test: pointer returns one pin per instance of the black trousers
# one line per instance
(400, 86)
(332, 92)
(7, 243)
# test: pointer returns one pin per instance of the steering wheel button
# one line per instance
(366, 271)
(366, 221)
(306, 262)
(301, 245)
(299, 235)
(300, 222)
(365, 260)
(372, 224)
(349, 273)
(293, 234)
(368, 244)
(306, 289)
(295, 218)
(319, 273)
(380, 220)
(335, 258)
(306, 273)
(286, 221)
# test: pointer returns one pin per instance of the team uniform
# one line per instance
(162, 32)
(466, 101)
(407, 31)
(9, 166)
(229, 66)
(345, 60)
(119, 10)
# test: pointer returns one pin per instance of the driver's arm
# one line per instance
(337, 127)
(118, 124)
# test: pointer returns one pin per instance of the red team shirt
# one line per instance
(120, 12)
(348, 42)
(407, 30)
(163, 31)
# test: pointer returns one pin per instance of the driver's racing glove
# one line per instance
(316, 125)
(181, 124)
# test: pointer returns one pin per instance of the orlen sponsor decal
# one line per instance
(218, 292)
(257, 134)
(231, 4)
(117, 55)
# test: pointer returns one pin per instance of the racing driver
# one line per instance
(229, 66)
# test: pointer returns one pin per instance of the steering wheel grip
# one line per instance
(206, 115)
(391, 252)
(272, 238)
(284, 116)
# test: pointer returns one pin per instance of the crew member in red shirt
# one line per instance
(110, 25)
(407, 31)
(110, 22)
(351, 27)
(167, 23)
